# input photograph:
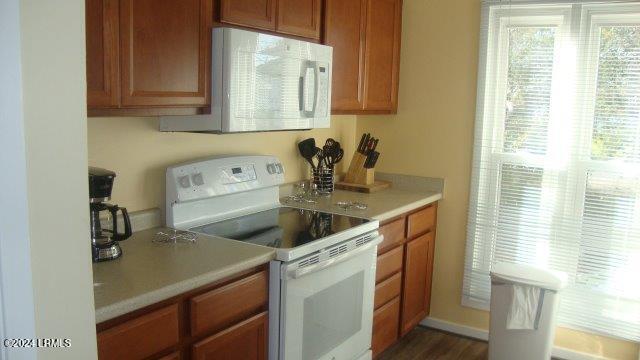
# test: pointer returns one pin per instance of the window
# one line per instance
(556, 170)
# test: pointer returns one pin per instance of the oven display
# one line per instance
(238, 174)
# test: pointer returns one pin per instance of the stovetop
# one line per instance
(282, 227)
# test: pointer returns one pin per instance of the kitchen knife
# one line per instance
(362, 142)
(371, 145)
(366, 144)
(372, 159)
(375, 144)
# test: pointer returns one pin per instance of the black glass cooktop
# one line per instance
(283, 227)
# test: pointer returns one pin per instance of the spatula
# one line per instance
(308, 150)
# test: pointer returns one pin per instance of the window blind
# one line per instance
(556, 168)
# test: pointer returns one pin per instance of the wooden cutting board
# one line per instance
(378, 185)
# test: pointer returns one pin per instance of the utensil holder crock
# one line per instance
(322, 176)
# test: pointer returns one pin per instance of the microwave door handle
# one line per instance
(298, 273)
(302, 82)
(316, 87)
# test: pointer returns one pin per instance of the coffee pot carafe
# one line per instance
(105, 235)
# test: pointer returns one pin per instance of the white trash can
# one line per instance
(524, 301)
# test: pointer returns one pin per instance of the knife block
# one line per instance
(360, 179)
(357, 173)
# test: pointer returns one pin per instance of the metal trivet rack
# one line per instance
(351, 205)
(173, 236)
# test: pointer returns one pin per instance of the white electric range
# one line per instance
(323, 278)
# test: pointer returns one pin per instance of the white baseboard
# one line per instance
(481, 334)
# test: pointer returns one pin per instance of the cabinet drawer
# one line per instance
(385, 326)
(388, 264)
(421, 221)
(393, 233)
(246, 340)
(224, 306)
(387, 290)
(140, 337)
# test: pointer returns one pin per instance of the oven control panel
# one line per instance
(222, 176)
(237, 174)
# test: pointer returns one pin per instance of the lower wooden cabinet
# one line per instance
(195, 325)
(403, 276)
(246, 340)
(140, 337)
(417, 282)
(385, 326)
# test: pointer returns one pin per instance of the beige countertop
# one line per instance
(149, 272)
(381, 206)
(406, 193)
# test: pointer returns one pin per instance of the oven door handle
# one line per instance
(298, 273)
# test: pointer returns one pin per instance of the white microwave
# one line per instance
(262, 82)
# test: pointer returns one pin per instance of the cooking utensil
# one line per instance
(320, 155)
(332, 152)
(308, 150)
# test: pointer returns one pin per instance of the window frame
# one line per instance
(576, 23)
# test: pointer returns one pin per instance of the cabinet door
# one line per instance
(101, 17)
(259, 14)
(344, 29)
(382, 55)
(418, 267)
(385, 326)
(164, 52)
(299, 17)
(246, 340)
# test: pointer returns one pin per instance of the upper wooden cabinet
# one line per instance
(163, 50)
(152, 57)
(345, 31)
(259, 14)
(291, 17)
(147, 54)
(102, 41)
(382, 54)
(365, 35)
(299, 17)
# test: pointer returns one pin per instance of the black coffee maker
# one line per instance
(104, 241)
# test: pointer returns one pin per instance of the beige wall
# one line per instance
(432, 135)
(55, 124)
(139, 153)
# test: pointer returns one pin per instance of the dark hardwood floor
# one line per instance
(428, 344)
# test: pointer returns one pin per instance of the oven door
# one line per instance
(327, 308)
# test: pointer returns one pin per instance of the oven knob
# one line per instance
(279, 168)
(197, 179)
(184, 181)
(271, 168)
